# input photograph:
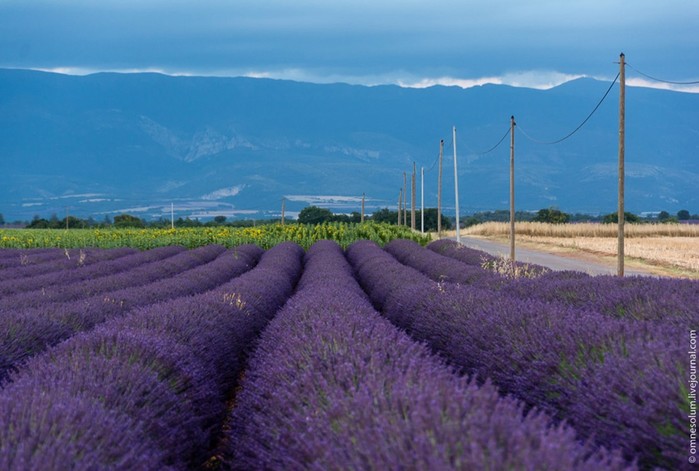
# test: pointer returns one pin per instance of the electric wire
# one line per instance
(507, 133)
(661, 80)
(436, 159)
(570, 134)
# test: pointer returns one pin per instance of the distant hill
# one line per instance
(106, 143)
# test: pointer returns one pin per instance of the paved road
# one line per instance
(555, 262)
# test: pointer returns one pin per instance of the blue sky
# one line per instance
(537, 43)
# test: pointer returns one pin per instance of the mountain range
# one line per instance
(146, 144)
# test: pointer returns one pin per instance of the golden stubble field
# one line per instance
(665, 249)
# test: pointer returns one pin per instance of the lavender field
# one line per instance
(401, 357)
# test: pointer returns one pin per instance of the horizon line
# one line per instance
(534, 79)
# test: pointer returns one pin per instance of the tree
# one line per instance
(73, 223)
(2, 220)
(314, 215)
(682, 215)
(127, 220)
(385, 215)
(614, 218)
(663, 216)
(54, 223)
(38, 223)
(552, 215)
(431, 220)
(186, 222)
(220, 220)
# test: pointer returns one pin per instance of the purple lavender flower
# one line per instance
(332, 385)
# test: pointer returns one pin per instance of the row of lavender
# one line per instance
(15, 258)
(146, 390)
(630, 297)
(16, 265)
(32, 320)
(606, 355)
(333, 385)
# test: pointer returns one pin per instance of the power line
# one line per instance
(519, 127)
(507, 133)
(661, 80)
(433, 164)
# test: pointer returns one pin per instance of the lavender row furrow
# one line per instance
(148, 390)
(33, 257)
(332, 385)
(118, 260)
(24, 257)
(176, 261)
(73, 259)
(615, 381)
(7, 254)
(460, 252)
(629, 297)
(24, 333)
(438, 267)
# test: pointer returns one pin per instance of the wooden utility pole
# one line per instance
(512, 189)
(622, 125)
(66, 218)
(405, 197)
(172, 215)
(412, 201)
(283, 207)
(400, 199)
(422, 199)
(362, 217)
(456, 191)
(439, 190)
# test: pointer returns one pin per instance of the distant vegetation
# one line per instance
(556, 216)
(317, 215)
(265, 236)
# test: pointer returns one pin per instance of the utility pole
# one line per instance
(362, 217)
(456, 190)
(172, 215)
(512, 189)
(400, 199)
(405, 197)
(622, 119)
(412, 201)
(283, 207)
(66, 218)
(439, 190)
(422, 199)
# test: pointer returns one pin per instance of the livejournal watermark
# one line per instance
(692, 396)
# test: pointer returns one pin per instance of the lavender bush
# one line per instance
(24, 333)
(156, 269)
(109, 262)
(436, 266)
(472, 257)
(632, 298)
(25, 270)
(564, 359)
(628, 297)
(32, 257)
(158, 379)
(332, 385)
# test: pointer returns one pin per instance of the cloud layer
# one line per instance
(536, 43)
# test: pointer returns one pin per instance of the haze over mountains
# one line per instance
(110, 143)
